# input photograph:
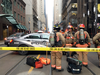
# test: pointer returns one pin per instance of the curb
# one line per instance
(4, 54)
(1, 44)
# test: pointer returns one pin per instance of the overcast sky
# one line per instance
(49, 11)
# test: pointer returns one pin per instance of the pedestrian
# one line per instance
(82, 40)
(69, 38)
(57, 55)
(96, 41)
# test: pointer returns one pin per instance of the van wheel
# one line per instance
(23, 52)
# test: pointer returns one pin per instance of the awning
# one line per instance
(18, 26)
(24, 27)
(12, 20)
(21, 27)
(9, 17)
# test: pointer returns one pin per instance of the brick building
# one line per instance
(12, 17)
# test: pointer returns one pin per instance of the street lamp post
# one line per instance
(7, 32)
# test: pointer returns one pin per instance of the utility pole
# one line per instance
(96, 3)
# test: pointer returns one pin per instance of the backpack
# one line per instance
(33, 61)
(74, 65)
(82, 37)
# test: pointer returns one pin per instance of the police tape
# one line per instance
(49, 49)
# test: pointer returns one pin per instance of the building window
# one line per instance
(18, 6)
(15, 2)
(23, 10)
(74, 5)
(14, 14)
(21, 18)
(7, 6)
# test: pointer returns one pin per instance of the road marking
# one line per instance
(38, 56)
(30, 70)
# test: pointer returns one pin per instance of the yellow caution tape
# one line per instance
(50, 49)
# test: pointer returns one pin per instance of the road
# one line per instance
(15, 64)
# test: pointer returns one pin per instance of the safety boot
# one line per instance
(53, 68)
(85, 64)
(59, 70)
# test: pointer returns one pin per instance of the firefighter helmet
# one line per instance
(56, 26)
(70, 27)
(81, 26)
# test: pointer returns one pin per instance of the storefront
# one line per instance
(9, 25)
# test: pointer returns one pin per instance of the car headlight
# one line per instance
(5, 38)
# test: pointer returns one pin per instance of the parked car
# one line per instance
(30, 40)
(16, 35)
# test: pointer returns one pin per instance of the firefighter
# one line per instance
(69, 38)
(57, 55)
(96, 40)
(82, 40)
(62, 31)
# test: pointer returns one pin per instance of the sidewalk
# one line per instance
(1, 42)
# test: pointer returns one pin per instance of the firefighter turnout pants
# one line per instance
(56, 59)
(69, 46)
(82, 56)
(99, 57)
